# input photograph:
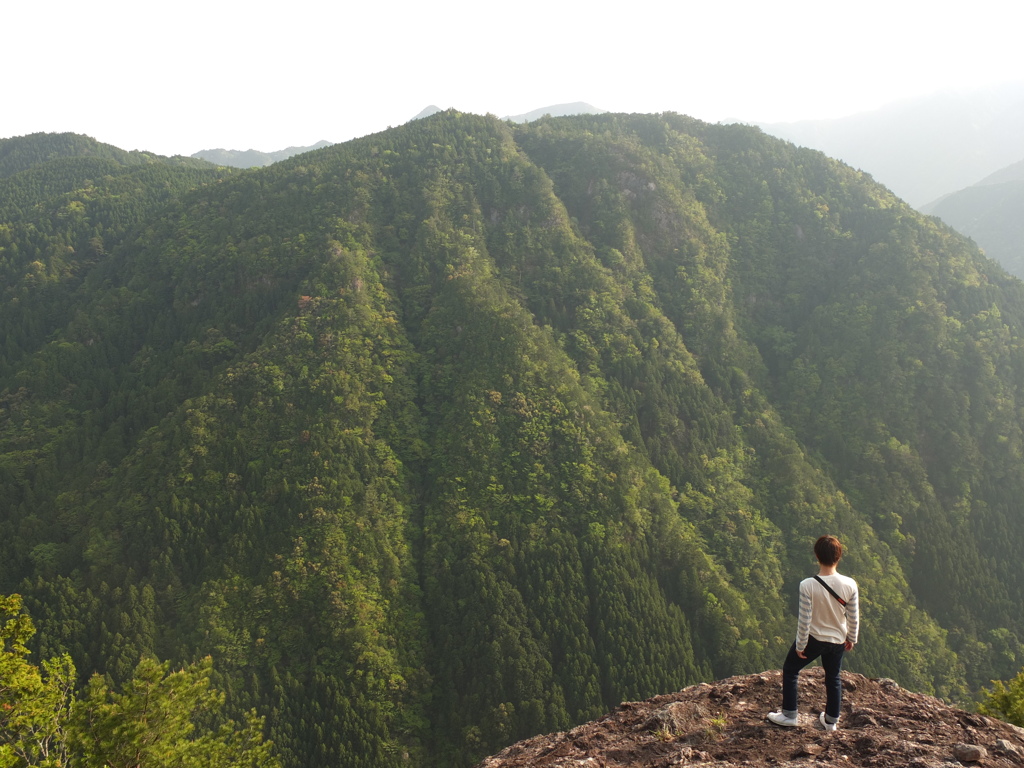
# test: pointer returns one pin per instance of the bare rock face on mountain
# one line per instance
(723, 725)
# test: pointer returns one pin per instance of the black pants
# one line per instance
(831, 659)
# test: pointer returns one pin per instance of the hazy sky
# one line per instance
(175, 78)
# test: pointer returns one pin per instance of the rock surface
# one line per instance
(722, 725)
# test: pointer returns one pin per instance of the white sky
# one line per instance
(177, 78)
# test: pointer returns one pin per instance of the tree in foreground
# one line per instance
(35, 705)
(1005, 700)
(159, 719)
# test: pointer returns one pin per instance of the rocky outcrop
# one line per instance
(723, 725)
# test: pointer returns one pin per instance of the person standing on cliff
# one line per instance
(827, 627)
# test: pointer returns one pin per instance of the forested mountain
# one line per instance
(23, 153)
(466, 431)
(65, 202)
(992, 213)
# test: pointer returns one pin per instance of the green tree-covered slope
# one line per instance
(467, 431)
(65, 201)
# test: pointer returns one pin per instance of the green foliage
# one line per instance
(1005, 700)
(153, 722)
(35, 705)
(159, 718)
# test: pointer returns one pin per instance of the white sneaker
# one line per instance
(780, 719)
(825, 723)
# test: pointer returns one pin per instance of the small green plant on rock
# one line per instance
(714, 728)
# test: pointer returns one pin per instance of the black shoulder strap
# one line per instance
(830, 590)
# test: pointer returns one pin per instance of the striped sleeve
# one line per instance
(853, 616)
(803, 625)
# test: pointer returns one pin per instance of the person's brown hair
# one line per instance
(828, 550)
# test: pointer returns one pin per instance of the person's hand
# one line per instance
(801, 654)
(848, 645)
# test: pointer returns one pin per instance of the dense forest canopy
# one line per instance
(469, 430)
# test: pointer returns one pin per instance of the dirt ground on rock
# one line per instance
(723, 724)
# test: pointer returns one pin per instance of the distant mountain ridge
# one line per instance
(927, 147)
(1013, 172)
(433, 109)
(557, 110)
(991, 213)
(253, 158)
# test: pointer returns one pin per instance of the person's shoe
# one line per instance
(780, 719)
(825, 723)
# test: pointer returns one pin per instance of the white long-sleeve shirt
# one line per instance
(822, 616)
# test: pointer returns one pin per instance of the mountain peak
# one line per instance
(433, 109)
(723, 724)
